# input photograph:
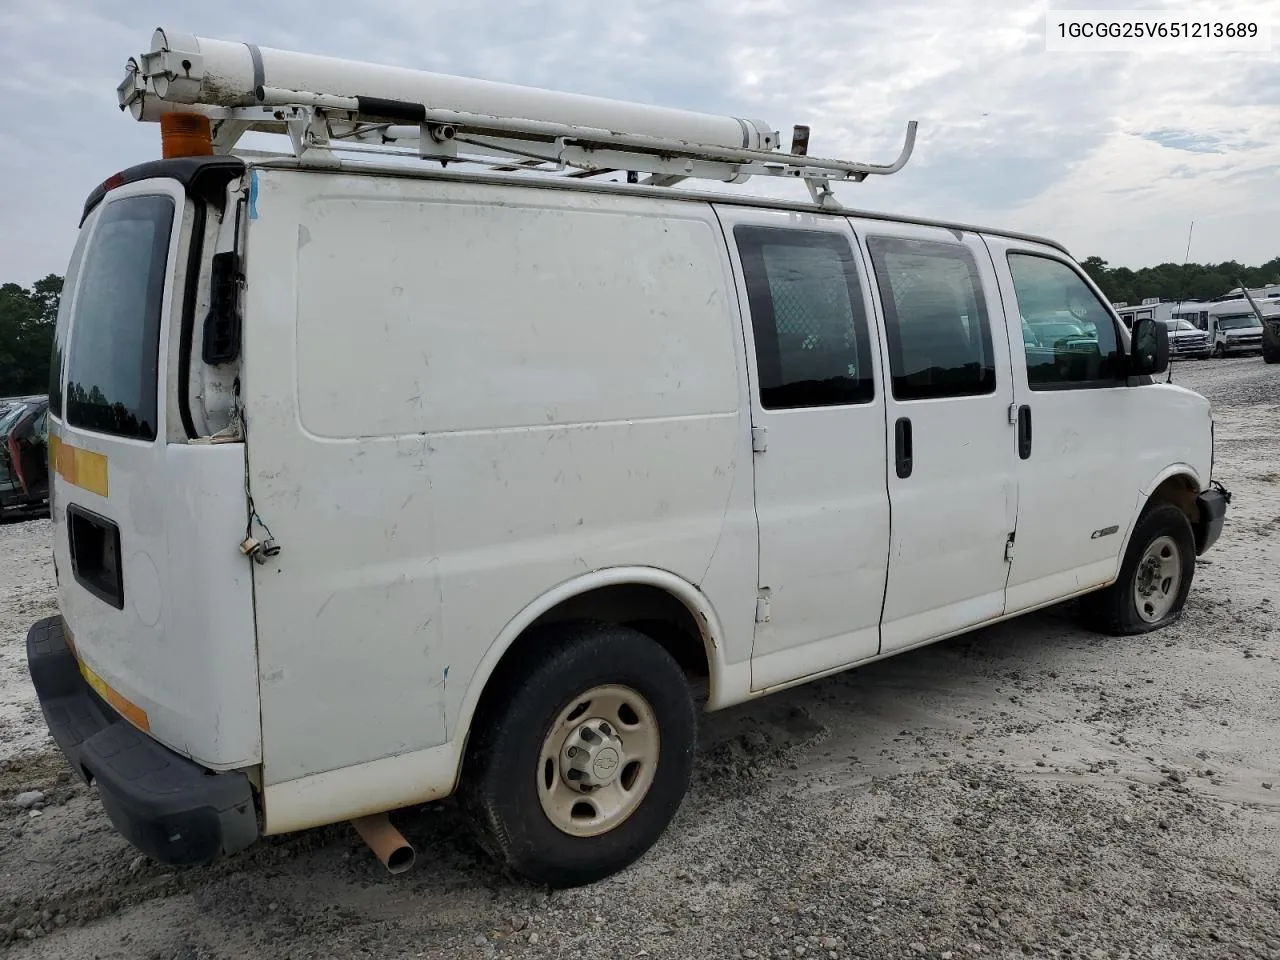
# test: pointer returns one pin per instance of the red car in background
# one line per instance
(24, 456)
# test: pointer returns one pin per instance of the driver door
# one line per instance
(1077, 486)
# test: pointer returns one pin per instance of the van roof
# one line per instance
(207, 175)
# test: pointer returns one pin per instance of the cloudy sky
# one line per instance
(1114, 154)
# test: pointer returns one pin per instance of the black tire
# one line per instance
(1270, 356)
(1115, 610)
(500, 792)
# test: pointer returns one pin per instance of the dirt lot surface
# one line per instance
(1027, 790)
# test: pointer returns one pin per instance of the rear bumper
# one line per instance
(170, 808)
(1212, 505)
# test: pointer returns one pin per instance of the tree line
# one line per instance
(27, 320)
(28, 316)
(1178, 281)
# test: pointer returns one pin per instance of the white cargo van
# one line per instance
(383, 481)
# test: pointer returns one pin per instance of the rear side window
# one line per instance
(58, 353)
(812, 344)
(114, 353)
(935, 317)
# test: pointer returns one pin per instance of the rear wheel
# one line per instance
(1155, 576)
(583, 754)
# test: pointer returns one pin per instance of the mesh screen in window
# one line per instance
(812, 345)
(939, 335)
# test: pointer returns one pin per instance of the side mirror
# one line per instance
(1149, 348)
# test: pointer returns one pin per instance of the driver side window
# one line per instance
(1068, 336)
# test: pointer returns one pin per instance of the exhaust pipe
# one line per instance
(386, 842)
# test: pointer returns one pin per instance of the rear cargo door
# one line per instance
(152, 587)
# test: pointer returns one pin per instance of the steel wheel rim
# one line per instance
(598, 760)
(1158, 577)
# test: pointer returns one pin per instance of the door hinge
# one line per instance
(1008, 549)
(759, 439)
(762, 608)
(1013, 413)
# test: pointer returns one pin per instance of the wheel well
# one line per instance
(1181, 491)
(648, 609)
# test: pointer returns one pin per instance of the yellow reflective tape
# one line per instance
(130, 711)
(82, 468)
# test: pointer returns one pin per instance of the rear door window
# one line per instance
(114, 354)
(812, 341)
(936, 319)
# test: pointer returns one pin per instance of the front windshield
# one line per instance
(1180, 325)
(1238, 323)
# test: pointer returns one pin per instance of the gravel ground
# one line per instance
(1026, 790)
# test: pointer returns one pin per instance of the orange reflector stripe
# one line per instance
(131, 712)
(83, 468)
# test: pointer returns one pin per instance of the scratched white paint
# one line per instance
(496, 390)
(823, 511)
(183, 647)
(953, 514)
(465, 396)
(1096, 454)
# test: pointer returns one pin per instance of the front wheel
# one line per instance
(583, 754)
(1270, 356)
(1155, 576)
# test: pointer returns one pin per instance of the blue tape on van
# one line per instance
(253, 194)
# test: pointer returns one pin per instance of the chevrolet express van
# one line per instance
(376, 483)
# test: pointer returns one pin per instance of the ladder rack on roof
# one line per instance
(328, 106)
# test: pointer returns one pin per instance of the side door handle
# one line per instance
(902, 446)
(1024, 431)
